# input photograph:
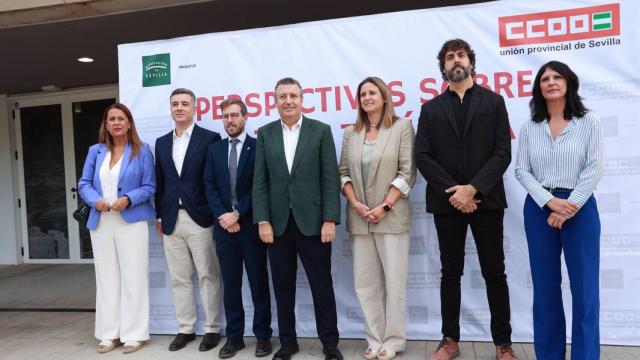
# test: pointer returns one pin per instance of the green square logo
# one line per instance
(156, 70)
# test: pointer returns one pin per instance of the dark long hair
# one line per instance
(132, 135)
(573, 106)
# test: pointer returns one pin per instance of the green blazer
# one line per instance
(311, 191)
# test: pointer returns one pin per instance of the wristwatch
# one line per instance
(386, 208)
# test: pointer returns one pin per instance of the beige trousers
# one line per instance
(191, 244)
(121, 260)
(380, 266)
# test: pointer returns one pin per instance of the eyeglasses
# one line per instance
(232, 116)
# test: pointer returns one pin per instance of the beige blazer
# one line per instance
(392, 164)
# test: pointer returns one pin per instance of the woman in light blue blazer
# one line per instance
(118, 182)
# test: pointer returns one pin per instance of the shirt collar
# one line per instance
(467, 92)
(295, 126)
(240, 137)
(187, 132)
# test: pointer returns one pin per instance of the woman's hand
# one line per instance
(376, 214)
(120, 204)
(556, 220)
(361, 209)
(563, 207)
(102, 205)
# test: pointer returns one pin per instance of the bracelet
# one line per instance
(388, 202)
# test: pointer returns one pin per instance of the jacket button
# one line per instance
(119, 189)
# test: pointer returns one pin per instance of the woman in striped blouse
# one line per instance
(559, 163)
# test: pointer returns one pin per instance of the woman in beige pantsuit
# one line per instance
(377, 172)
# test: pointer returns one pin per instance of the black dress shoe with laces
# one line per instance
(263, 347)
(181, 341)
(286, 351)
(230, 348)
(332, 353)
(209, 341)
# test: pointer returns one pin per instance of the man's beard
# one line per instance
(454, 76)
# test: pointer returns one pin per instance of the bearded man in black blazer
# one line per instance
(463, 147)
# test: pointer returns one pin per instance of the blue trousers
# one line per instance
(579, 239)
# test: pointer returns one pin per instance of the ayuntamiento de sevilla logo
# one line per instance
(561, 25)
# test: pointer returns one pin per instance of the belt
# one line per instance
(559, 190)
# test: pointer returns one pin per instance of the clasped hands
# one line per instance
(374, 215)
(103, 206)
(463, 198)
(562, 210)
(229, 221)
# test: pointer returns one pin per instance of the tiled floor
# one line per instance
(45, 335)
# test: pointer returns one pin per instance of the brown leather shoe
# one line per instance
(505, 352)
(447, 349)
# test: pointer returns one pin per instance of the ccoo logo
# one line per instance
(563, 25)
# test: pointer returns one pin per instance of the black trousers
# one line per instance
(245, 247)
(316, 259)
(487, 229)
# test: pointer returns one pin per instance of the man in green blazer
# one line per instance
(296, 202)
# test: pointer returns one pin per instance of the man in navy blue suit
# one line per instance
(184, 222)
(228, 178)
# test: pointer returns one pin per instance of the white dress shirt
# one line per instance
(574, 160)
(180, 145)
(290, 139)
(241, 138)
(109, 179)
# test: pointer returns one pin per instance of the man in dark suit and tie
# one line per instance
(297, 206)
(463, 147)
(184, 222)
(228, 179)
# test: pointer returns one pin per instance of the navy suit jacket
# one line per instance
(187, 186)
(217, 186)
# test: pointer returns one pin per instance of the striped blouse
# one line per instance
(574, 160)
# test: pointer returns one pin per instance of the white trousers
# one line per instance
(121, 260)
(380, 266)
(191, 244)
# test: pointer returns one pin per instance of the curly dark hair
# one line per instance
(574, 105)
(453, 45)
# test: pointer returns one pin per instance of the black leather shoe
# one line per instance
(263, 348)
(181, 341)
(209, 341)
(286, 351)
(230, 348)
(332, 353)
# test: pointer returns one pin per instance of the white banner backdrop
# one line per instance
(512, 39)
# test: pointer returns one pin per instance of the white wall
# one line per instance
(9, 249)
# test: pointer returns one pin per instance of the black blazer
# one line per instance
(479, 156)
(189, 186)
(218, 188)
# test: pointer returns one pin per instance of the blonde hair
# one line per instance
(388, 113)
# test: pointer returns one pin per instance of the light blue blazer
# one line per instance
(137, 180)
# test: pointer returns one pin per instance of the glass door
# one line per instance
(53, 135)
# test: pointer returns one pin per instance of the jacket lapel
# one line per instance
(102, 153)
(244, 154)
(194, 142)
(448, 110)
(356, 143)
(473, 107)
(224, 163)
(125, 161)
(274, 134)
(305, 133)
(376, 155)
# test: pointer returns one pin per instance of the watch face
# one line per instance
(386, 208)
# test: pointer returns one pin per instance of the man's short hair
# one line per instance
(184, 91)
(287, 81)
(455, 45)
(234, 101)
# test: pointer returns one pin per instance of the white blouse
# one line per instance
(109, 178)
